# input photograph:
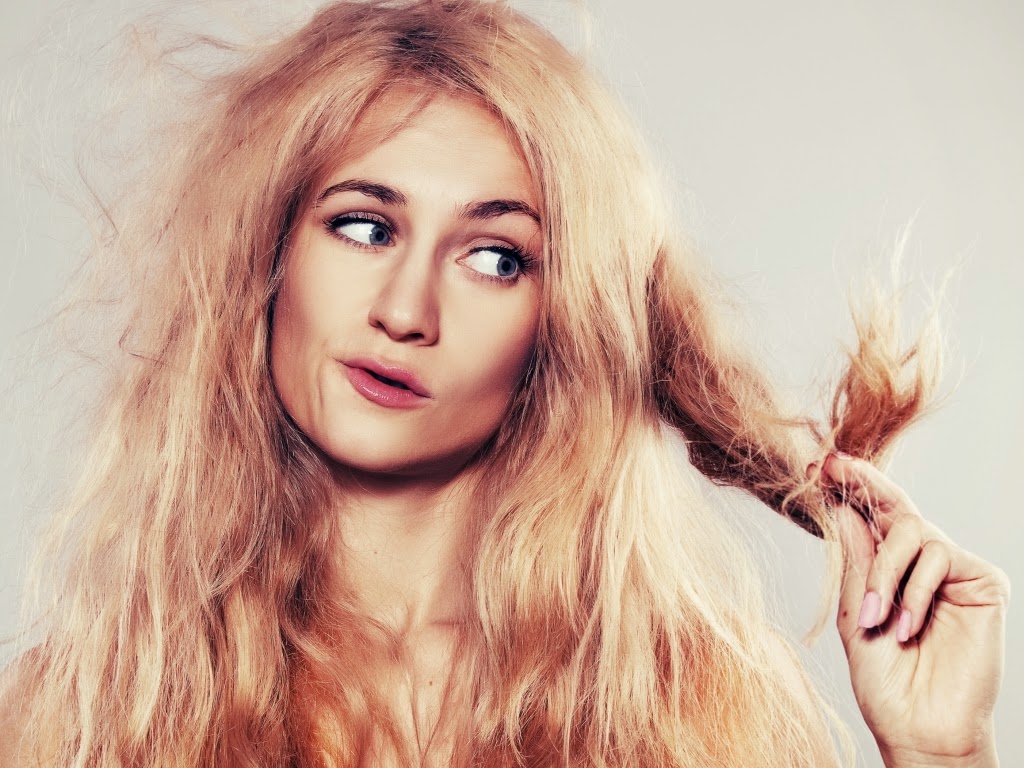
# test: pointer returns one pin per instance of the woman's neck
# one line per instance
(405, 548)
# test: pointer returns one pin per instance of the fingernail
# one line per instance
(870, 610)
(903, 629)
(810, 466)
(842, 455)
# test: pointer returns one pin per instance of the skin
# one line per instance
(421, 299)
(407, 281)
(926, 660)
(413, 293)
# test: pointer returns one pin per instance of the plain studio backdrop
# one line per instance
(804, 138)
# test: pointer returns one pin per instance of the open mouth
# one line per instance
(386, 380)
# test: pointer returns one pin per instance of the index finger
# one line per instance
(869, 490)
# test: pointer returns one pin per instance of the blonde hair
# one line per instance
(198, 618)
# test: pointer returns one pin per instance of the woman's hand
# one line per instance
(922, 622)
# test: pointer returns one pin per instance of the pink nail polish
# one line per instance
(842, 455)
(903, 629)
(870, 610)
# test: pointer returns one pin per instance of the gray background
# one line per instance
(804, 138)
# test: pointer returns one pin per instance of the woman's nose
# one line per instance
(406, 307)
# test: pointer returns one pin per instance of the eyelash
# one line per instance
(526, 261)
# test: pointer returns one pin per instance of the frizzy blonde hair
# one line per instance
(199, 618)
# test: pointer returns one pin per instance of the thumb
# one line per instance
(858, 544)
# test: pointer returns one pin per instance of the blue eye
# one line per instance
(504, 264)
(361, 230)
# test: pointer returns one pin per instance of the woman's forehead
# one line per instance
(419, 139)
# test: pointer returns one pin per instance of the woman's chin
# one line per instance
(376, 461)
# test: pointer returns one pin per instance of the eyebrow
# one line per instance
(489, 209)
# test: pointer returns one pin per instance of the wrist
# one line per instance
(985, 758)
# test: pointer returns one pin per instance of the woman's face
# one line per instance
(417, 258)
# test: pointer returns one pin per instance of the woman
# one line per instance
(391, 473)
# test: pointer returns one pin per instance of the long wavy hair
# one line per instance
(198, 616)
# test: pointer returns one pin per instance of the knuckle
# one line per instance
(1002, 583)
(896, 499)
(889, 561)
(908, 525)
(905, 502)
(936, 548)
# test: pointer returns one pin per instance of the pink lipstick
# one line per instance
(385, 384)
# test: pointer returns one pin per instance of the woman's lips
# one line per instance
(381, 393)
(389, 372)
